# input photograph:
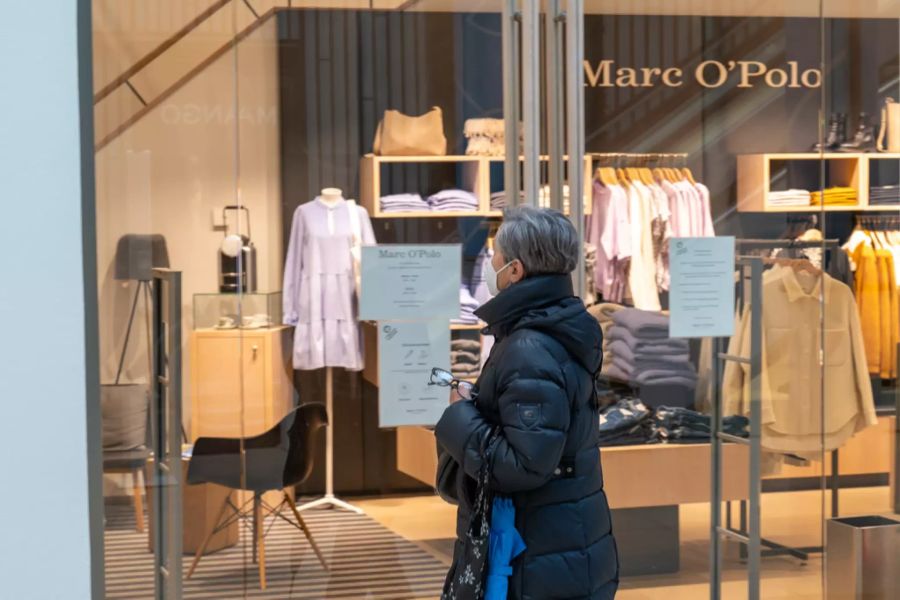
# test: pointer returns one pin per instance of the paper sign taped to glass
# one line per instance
(407, 353)
(701, 292)
(410, 282)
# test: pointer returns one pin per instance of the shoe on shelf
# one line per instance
(864, 138)
(835, 135)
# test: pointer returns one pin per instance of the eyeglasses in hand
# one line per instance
(443, 378)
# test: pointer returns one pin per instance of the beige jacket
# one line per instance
(793, 416)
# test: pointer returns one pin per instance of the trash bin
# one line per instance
(862, 559)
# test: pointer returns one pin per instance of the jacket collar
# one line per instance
(504, 310)
(793, 287)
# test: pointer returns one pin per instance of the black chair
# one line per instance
(277, 459)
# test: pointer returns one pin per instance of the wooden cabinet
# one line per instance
(241, 380)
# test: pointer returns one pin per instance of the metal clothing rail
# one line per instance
(750, 534)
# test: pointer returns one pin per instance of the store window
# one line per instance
(259, 164)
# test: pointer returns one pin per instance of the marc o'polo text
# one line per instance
(709, 74)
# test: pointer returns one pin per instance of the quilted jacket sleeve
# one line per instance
(534, 419)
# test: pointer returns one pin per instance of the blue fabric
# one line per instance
(505, 544)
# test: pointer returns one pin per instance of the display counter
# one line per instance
(669, 474)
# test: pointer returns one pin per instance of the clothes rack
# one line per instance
(749, 532)
(888, 222)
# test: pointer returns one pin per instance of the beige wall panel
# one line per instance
(126, 30)
(114, 110)
(190, 51)
(168, 172)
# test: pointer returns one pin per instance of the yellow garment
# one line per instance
(835, 196)
(794, 418)
(888, 318)
(868, 302)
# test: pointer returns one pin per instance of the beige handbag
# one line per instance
(890, 127)
(402, 135)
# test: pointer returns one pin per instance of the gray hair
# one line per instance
(544, 240)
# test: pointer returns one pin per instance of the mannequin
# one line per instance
(319, 296)
(331, 196)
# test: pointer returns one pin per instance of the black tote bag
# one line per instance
(466, 580)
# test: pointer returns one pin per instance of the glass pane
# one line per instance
(167, 124)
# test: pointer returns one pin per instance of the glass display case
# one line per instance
(237, 311)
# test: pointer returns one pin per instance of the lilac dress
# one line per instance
(319, 295)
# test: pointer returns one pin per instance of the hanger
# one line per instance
(802, 265)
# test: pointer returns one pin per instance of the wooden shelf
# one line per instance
(467, 327)
(432, 214)
(446, 158)
(475, 178)
(754, 177)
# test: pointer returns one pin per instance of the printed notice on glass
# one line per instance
(403, 282)
(701, 293)
(407, 353)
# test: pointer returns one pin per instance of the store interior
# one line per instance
(219, 124)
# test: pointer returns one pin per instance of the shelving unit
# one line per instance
(474, 176)
(755, 173)
(371, 174)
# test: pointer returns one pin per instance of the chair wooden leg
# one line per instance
(306, 530)
(138, 490)
(260, 539)
(208, 537)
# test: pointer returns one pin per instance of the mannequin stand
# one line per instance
(329, 499)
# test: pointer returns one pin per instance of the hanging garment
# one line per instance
(706, 227)
(609, 231)
(794, 418)
(642, 272)
(319, 292)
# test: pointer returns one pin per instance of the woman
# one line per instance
(538, 387)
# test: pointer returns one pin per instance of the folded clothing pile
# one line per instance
(590, 263)
(486, 137)
(544, 197)
(478, 283)
(790, 198)
(603, 312)
(643, 354)
(683, 425)
(835, 196)
(465, 358)
(884, 195)
(499, 200)
(453, 201)
(627, 422)
(467, 307)
(403, 203)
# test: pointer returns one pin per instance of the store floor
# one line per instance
(792, 519)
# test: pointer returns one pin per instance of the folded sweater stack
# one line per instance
(403, 203)
(603, 312)
(465, 358)
(453, 201)
(835, 196)
(643, 354)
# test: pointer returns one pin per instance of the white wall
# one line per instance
(43, 418)
(213, 142)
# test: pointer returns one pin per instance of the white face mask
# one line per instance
(490, 276)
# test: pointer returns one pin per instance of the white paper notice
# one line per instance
(701, 293)
(401, 282)
(407, 353)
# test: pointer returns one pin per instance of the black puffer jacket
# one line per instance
(537, 385)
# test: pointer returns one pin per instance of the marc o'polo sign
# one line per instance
(410, 282)
(709, 74)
